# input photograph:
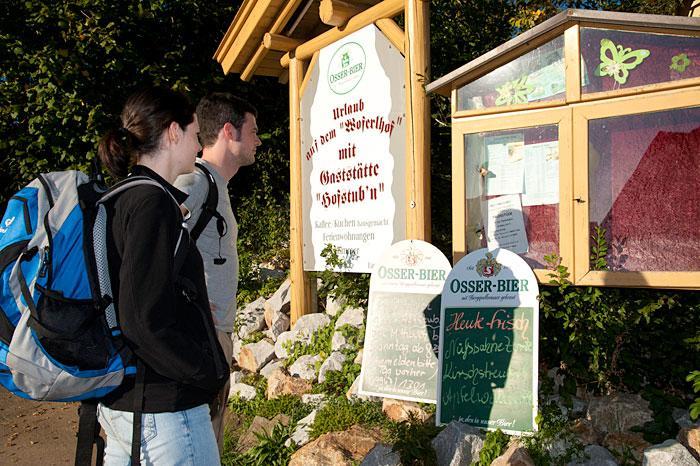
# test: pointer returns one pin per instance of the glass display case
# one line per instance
(580, 139)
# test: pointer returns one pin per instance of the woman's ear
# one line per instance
(174, 132)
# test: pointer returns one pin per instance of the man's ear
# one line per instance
(232, 132)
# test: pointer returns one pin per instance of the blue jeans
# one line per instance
(180, 438)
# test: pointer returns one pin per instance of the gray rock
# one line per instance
(280, 343)
(309, 324)
(244, 391)
(279, 301)
(305, 366)
(381, 455)
(236, 377)
(339, 342)
(237, 345)
(353, 316)
(682, 417)
(314, 399)
(334, 362)
(557, 378)
(271, 367)
(302, 433)
(458, 444)
(668, 453)
(279, 325)
(619, 412)
(255, 355)
(595, 455)
(251, 318)
(333, 305)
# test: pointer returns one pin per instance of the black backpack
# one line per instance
(209, 211)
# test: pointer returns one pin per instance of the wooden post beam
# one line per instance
(417, 55)
(336, 12)
(254, 62)
(385, 9)
(393, 32)
(279, 42)
(301, 298)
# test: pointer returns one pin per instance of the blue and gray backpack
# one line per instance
(59, 335)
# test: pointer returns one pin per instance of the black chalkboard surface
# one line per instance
(487, 367)
(400, 356)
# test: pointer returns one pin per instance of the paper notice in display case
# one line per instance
(504, 155)
(505, 228)
(541, 174)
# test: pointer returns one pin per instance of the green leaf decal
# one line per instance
(616, 61)
(680, 62)
(514, 92)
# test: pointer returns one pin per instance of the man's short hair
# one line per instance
(218, 108)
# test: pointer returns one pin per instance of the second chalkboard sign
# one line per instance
(400, 356)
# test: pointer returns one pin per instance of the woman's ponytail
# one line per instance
(116, 151)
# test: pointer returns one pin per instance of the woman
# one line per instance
(159, 291)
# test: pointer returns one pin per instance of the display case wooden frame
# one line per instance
(572, 115)
(525, 119)
(582, 114)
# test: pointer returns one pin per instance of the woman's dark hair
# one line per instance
(145, 115)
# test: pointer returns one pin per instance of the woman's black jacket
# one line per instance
(163, 314)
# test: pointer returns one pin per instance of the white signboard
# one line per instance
(400, 356)
(353, 143)
(488, 343)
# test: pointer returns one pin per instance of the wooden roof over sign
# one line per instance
(264, 30)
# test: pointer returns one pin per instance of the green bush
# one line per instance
(495, 444)
(320, 344)
(552, 427)
(611, 338)
(351, 288)
(412, 441)
(694, 377)
(340, 413)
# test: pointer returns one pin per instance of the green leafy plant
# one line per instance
(351, 288)
(663, 426)
(553, 428)
(271, 449)
(599, 249)
(321, 344)
(340, 413)
(495, 444)
(694, 378)
(608, 337)
(337, 383)
(253, 338)
(412, 441)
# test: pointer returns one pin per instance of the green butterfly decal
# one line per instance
(514, 92)
(616, 61)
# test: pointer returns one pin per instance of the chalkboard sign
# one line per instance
(400, 356)
(488, 343)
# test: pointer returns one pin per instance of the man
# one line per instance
(228, 134)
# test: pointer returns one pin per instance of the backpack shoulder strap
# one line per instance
(210, 203)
